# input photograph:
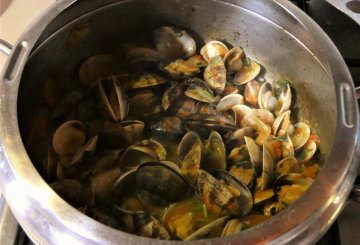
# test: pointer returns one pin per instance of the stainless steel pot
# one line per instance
(275, 33)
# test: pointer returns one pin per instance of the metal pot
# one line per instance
(275, 33)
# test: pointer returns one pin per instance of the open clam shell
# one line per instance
(214, 153)
(234, 59)
(113, 98)
(232, 227)
(247, 72)
(255, 153)
(229, 101)
(300, 135)
(213, 229)
(251, 94)
(215, 195)
(244, 172)
(184, 218)
(240, 191)
(189, 153)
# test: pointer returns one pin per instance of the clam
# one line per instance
(147, 226)
(300, 135)
(307, 151)
(103, 183)
(166, 128)
(266, 98)
(215, 195)
(170, 95)
(189, 153)
(268, 169)
(182, 107)
(240, 112)
(263, 130)
(244, 172)
(239, 190)
(215, 74)
(213, 49)
(229, 101)
(86, 150)
(248, 72)
(271, 208)
(158, 184)
(183, 68)
(214, 153)
(286, 166)
(204, 109)
(146, 80)
(230, 89)
(97, 67)
(237, 138)
(239, 154)
(144, 103)
(125, 185)
(198, 90)
(69, 137)
(113, 98)
(261, 196)
(284, 100)
(255, 153)
(204, 124)
(174, 43)
(184, 218)
(290, 187)
(232, 227)
(134, 130)
(264, 115)
(252, 89)
(210, 230)
(144, 58)
(234, 59)
(282, 124)
(112, 134)
(135, 155)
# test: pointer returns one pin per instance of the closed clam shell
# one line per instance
(174, 43)
(160, 185)
(69, 137)
(247, 73)
(97, 67)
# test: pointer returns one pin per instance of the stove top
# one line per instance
(345, 33)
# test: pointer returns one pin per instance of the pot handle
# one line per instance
(5, 47)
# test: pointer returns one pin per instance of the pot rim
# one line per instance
(307, 220)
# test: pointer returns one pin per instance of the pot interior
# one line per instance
(104, 27)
